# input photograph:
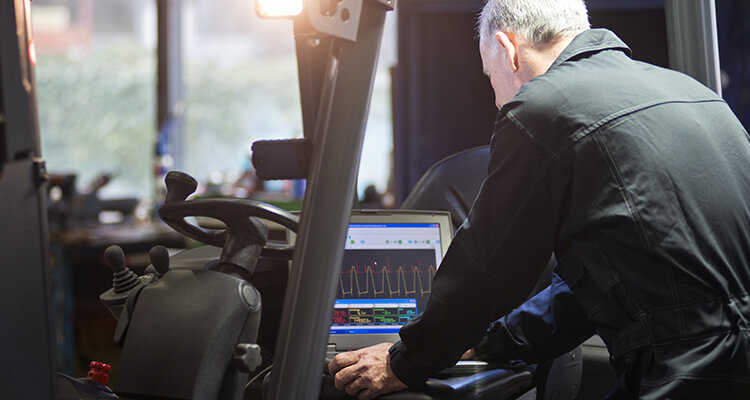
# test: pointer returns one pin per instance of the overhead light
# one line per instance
(278, 8)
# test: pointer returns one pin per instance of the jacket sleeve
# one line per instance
(496, 256)
(544, 327)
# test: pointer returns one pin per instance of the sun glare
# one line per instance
(279, 8)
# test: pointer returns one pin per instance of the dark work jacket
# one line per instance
(638, 179)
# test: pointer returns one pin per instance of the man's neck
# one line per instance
(537, 59)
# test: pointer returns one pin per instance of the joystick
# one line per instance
(124, 279)
(159, 257)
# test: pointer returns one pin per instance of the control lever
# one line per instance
(159, 257)
(124, 281)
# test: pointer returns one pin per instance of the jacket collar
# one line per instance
(591, 41)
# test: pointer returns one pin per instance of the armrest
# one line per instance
(491, 384)
(496, 384)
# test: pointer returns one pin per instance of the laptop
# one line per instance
(390, 258)
(389, 261)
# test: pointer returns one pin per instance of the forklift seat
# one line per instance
(451, 184)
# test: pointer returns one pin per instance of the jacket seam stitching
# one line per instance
(587, 130)
(676, 298)
(511, 116)
(691, 304)
(657, 383)
(621, 187)
(534, 187)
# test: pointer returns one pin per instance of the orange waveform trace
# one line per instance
(384, 277)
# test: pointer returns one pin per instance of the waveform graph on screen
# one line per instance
(387, 273)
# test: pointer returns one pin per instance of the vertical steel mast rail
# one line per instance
(349, 38)
(693, 43)
(170, 88)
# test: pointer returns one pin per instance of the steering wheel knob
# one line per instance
(179, 186)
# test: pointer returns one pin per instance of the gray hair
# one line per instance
(538, 21)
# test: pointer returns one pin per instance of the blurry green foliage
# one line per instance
(96, 113)
(230, 104)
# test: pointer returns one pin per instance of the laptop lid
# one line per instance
(389, 261)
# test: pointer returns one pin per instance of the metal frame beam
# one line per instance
(693, 41)
(25, 302)
(170, 86)
(342, 105)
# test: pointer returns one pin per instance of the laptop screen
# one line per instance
(389, 261)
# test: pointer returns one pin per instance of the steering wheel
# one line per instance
(236, 214)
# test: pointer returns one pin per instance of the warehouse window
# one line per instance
(96, 74)
(96, 78)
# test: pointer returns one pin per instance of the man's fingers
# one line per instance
(354, 386)
(342, 360)
(344, 377)
(469, 354)
(364, 373)
(366, 394)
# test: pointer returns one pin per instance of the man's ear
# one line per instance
(507, 40)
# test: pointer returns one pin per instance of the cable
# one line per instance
(258, 375)
(741, 90)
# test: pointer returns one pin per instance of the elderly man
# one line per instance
(636, 178)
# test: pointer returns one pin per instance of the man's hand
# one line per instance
(365, 373)
(469, 354)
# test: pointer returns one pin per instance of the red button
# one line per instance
(98, 372)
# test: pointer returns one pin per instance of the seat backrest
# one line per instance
(451, 184)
